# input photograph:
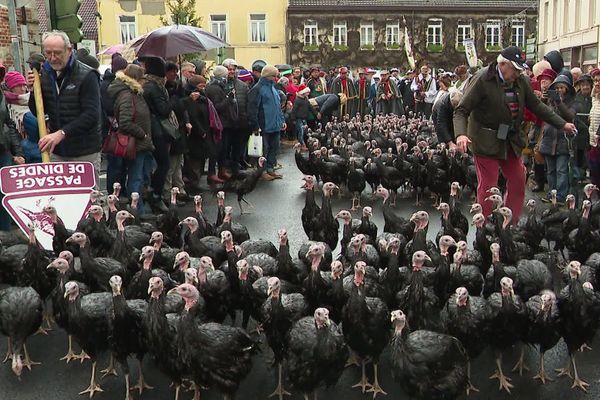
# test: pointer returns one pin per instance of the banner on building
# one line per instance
(408, 47)
(470, 52)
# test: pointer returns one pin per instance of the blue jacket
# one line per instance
(264, 109)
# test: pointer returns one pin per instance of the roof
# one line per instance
(416, 4)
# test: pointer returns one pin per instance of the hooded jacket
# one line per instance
(131, 110)
(555, 142)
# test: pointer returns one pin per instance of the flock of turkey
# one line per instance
(183, 290)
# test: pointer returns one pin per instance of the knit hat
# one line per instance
(283, 81)
(229, 61)
(584, 78)
(14, 78)
(155, 66)
(220, 72)
(555, 60)
(269, 71)
(117, 63)
(90, 61)
(245, 75)
(303, 90)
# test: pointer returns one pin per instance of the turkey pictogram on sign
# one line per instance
(29, 188)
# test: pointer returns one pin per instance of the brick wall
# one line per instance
(6, 56)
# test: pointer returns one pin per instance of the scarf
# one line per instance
(18, 106)
(362, 89)
(215, 121)
(344, 86)
(386, 87)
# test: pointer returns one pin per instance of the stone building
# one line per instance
(573, 28)
(371, 33)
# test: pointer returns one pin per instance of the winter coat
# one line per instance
(582, 105)
(72, 103)
(554, 141)
(131, 110)
(106, 101)
(326, 104)
(157, 98)
(10, 140)
(264, 107)
(594, 120)
(176, 98)
(224, 102)
(442, 115)
(482, 109)
(301, 108)
(200, 142)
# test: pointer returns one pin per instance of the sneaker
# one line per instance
(275, 175)
(278, 166)
(267, 177)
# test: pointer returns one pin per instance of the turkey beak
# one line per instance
(269, 291)
(49, 266)
(142, 256)
(151, 241)
(69, 240)
(172, 291)
(150, 288)
(427, 258)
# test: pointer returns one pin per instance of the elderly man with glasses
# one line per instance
(71, 94)
(488, 120)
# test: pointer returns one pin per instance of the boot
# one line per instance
(214, 179)
(224, 174)
(158, 205)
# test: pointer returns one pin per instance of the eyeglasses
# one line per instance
(55, 53)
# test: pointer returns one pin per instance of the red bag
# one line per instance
(120, 144)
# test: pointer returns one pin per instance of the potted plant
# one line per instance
(310, 47)
(340, 47)
(393, 46)
(434, 48)
(367, 47)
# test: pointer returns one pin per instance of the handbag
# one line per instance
(169, 129)
(255, 146)
(120, 144)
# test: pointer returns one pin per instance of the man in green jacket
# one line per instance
(488, 120)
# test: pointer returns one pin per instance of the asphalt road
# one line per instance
(279, 204)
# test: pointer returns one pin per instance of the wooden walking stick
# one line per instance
(39, 108)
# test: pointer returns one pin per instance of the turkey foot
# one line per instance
(128, 396)
(110, 370)
(141, 384)
(565, 371)
(542, 373)
(363, 383)
(279, 390)
(504, 382)
(42, 331)
(70, 356)
(375, 388)
(94, 387)
(83, 356)
(27, 363)
(577, 382)
(471, 388)
(352, 360)
(520, 365)
(196, 392)
(585, 347)
(354, 206)
(417, 202)
(8, 353)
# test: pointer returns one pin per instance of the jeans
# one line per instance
(270, 148)
(487, 176)
(116, 171)
(133, 181)
(300, 130)
(557, 170)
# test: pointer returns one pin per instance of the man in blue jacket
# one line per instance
(264, 113)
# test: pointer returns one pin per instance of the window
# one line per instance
(258, 28)
(565, 24)
(366, 35)
(434, 32)
(592, 20)
(577, 14)
(463, 31)
(127, 25)
(392, 35)
(566, 56)
(492, 34)
(590, 55)
(218, 26)
(555, 18)
(340, 34)
(518, 34)
(310, 33)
